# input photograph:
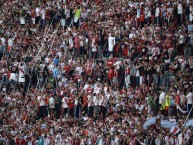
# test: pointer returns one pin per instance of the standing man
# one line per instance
(58, 104)
(111, 44)
(189, 98)
(180, 12)
(55, 76)
(77, 16)
(41, 99)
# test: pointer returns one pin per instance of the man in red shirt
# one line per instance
(71, 105)
(110, 74)
(77, 46)
(77, 77)
(85, 104)
(111, 61)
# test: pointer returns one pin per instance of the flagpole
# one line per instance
(186, 119)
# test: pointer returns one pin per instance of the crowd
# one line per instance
(96, 72)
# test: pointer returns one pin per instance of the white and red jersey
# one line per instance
(111, 61)
(77, 77)
(94, 44)
(169, 12)
(37, 11)
(10, 44)
(183, 62)
(101, 100)
(88, 68)
(130, 92)
(70, 140)
(64, 102)
(43, 13)
(155, 51)
(172, 68)
(70, 102)
(79, 1)
(89, 90)
(110, 73)
(82, 141)
(67, 68)
(94, 139)
(116, 73)
(21, 70)
(190, 62)
(41, 100)
(127, 71)
(137, 92)
(61, 93)
(3, 62)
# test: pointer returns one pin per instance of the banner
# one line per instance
(189, 123)
(190, 28)
(149, 122)
(167, 124)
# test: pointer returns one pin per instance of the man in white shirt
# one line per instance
(42, 105)
(189, 98)
(10, 44)
(37, 18)
(180, 11)
(162, 97)
(65, 106)
(102, 104)
(51, 105)
(111, 44)
(97, 88)
(90, 105)
(3, 41)
(157, 13)
(95, 103)
(43, 18)
(180, 48)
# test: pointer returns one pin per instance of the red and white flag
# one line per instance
(174, 130)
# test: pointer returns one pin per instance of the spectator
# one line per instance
(96, 72)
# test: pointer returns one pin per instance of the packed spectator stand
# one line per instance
(96, 72)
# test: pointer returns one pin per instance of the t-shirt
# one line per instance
(180, 9)
(181, 39)
(85, 99)
(78, 13)
(161, 97)
(89, 100)
(189, 98)
(64, 102)
(95, 100)
(70, 103)
(43, 14)
(37, 12)
(51, 102)
(41, 100)
(111, 43)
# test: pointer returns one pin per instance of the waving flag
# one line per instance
(149, 122)
(189, 123)
(167, 124)
(174, 129)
